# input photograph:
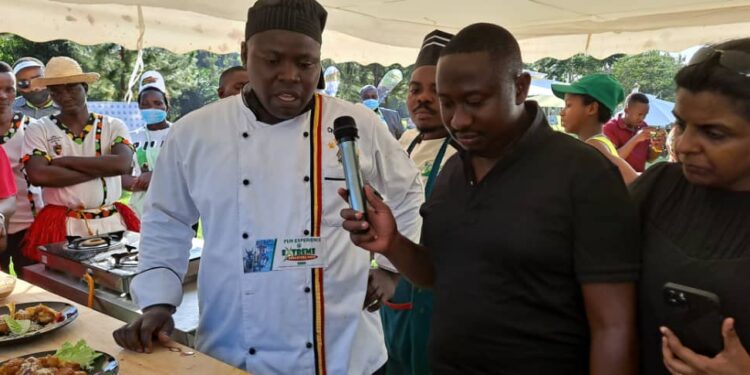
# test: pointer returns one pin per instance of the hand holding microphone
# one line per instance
(369, 220)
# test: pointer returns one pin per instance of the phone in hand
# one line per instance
(694, 315)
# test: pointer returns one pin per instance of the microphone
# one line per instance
(345, 131)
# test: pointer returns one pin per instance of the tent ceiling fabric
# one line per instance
(390, 31)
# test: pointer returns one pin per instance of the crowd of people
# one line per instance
(493, 244)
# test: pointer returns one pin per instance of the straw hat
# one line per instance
(62, 70)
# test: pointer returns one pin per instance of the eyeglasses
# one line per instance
(25, 84)
(737, 61)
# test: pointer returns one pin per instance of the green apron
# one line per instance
(406, 317)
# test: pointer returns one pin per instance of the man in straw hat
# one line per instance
(77, 157)
(281, 288)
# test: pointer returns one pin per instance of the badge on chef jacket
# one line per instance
(277, 254)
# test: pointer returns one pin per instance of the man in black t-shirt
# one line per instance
(530, 237)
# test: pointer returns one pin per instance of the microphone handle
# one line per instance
(350, 160)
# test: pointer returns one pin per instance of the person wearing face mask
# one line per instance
(370, 99)
(149, 139)
(33, 102)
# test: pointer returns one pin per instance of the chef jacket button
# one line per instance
(307, 289)
(306, 232)
(245, 235)
(246, 182)
(251, 351)
(305, 134)
(307, 178)
(245, 135)
(308, 345)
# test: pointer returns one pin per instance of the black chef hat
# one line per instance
(433, 43)
(301, 16)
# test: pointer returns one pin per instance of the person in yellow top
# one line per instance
(589, 104)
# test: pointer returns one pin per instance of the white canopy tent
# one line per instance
(388, 31)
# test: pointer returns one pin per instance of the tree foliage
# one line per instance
(651, 72)
(571, 69)
(192, 78)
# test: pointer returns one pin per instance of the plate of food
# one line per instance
(70, 359)
(26, 321)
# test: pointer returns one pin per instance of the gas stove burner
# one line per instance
(124, 260)
(81, 248)
(100, 240)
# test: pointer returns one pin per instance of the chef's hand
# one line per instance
(679, 360)
(379, 231)
(381, 286)
(156, 323)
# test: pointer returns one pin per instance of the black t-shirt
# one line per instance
(511, 253)
(694, 236)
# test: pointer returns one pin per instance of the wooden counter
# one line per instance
(96, 328)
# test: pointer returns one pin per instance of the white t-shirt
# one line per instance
(148, 145)
(12, 142)
(425, 152)
(50, 138)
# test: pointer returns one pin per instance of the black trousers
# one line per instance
(15, 250)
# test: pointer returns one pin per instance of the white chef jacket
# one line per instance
(12, 142)
(246, 179)
(425, 152)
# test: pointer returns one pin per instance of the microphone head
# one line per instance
(344, 127)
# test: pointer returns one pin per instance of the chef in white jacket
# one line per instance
(281, 287)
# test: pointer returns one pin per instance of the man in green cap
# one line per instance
(589, 103)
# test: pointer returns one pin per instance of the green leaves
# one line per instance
(79, 353)
(17, 327)
(11, 268)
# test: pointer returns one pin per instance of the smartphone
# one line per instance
(694, 315)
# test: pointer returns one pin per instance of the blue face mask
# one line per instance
(371, 103)
(153, 116)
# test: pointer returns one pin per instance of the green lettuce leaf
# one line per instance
(17, 327)
(11, 269)
(79, 353)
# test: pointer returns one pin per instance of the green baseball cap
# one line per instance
(602, 87)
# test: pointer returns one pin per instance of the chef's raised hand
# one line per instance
(378, 232)
(156, 324)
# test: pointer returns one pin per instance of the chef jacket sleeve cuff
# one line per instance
(156, 286)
